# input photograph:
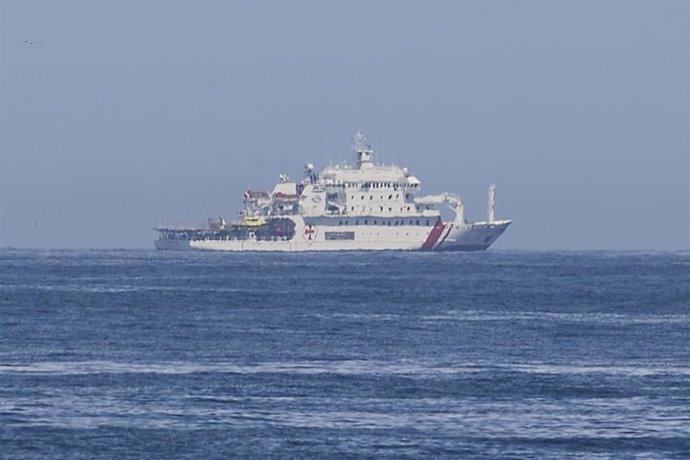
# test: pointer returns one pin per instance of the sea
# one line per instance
(501, 354)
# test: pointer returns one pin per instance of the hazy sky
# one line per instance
(128, 113)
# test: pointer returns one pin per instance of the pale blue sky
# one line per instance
(132, 112)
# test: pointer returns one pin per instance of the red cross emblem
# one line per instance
(309, 232)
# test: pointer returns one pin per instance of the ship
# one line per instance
(361, 207)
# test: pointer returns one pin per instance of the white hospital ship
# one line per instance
(366, 207)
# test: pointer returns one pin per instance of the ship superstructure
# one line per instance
(367, 206)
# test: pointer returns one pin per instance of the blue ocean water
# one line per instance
(120, 354)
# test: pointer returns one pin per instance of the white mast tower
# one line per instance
(363, 151)
(490, 218)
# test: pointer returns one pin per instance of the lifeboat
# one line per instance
(250, 221)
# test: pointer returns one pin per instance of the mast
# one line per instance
(363, 151)
(459, 214)
(492, 199)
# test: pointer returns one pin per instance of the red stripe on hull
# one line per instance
(433, 236)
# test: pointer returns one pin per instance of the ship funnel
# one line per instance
(490, 218)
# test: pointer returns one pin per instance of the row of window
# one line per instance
(387, 185)
(394, 185)
(387, 222)
(390, 197)
(381, 208)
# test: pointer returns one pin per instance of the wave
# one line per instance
(347, 367)
(527, 418)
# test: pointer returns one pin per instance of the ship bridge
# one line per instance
(368, 174)
(367, 189)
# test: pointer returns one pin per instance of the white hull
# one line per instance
(474, 237)
(440, 237)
